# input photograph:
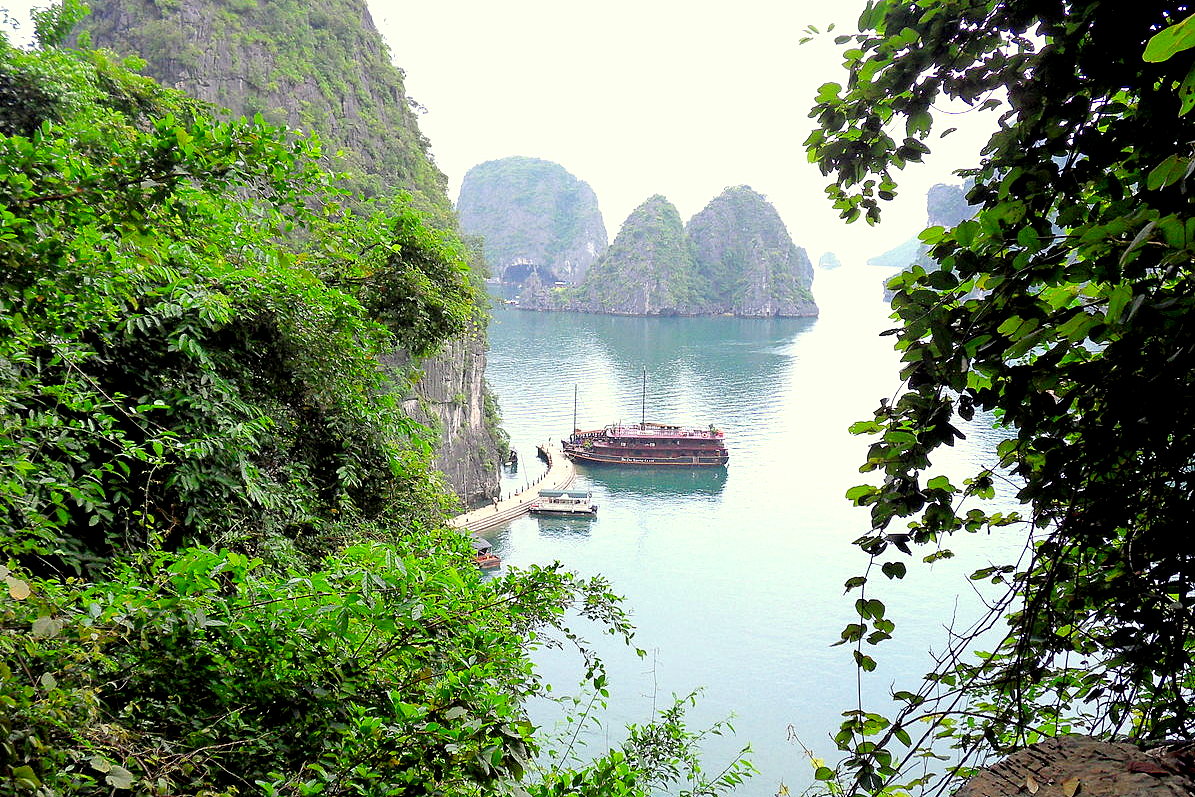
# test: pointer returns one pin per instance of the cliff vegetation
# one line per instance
(318, 67)
(648, 270)
(735, 257)
(323, 68)
(224, 561)
(744, 252)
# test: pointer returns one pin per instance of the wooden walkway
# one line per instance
(559, 476)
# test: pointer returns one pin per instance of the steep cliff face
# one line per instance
(945, 206)
(534, 216)
(316, 66)
(322, 67)
(448, 400)
(745, 254)
(648, 270)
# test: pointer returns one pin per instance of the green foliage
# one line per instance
(1063, 308)
(174, 368)
(311, 66)
(385, 671)
(493, 421)
(659, 757)
(649, 269)
(53, 24)
(223, 557)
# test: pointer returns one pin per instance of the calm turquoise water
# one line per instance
(734, 577)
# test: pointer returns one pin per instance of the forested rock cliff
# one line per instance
(322, 67)
(648, 270)
(735, 257)
(746, 256)
(533, 216)
(945, 206)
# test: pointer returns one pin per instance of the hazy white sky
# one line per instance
(642, 97)
(638, 97)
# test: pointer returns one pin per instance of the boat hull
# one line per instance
(694, 461)
(561, 513)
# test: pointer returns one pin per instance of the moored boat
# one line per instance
(564, 503)
(484, 556)
(649, 444)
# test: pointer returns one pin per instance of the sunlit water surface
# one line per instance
(734, 577)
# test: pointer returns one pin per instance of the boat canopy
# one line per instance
(565, 494)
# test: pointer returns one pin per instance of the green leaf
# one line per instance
(119, 778)
(1186, 93)
(1118, 299)
(867, 663)
(1167, 172)
(26, 776)
(828, 92)
(1168, 41)
(860, 492)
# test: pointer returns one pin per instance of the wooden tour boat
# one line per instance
(646, 443)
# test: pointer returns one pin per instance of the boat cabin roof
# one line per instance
(481, 546)
(565, 494)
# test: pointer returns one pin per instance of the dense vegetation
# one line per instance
(319, 67)
(1064, 308)
(224, 561)
(648, 270)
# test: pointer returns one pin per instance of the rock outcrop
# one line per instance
(321, 66)
(735, 257)
(1067, 766)
(535, 217)
(945, 206)
(748, 260)
(648, 270)
(829, 260)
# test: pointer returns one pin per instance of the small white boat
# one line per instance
(564, 503)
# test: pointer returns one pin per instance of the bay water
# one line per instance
(734, 577)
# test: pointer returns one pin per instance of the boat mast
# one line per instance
(643, 402)
(574, 408)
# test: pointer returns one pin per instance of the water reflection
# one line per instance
(734, 575)
(564, 527)
(651, 482)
